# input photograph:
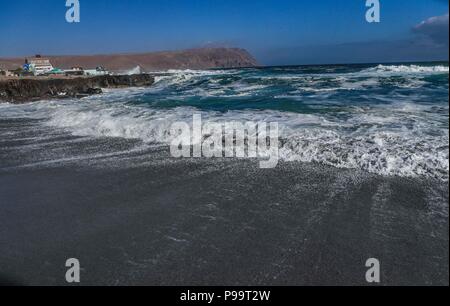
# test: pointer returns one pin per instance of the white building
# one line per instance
(39, 65)
(97, 71)
(7, 73)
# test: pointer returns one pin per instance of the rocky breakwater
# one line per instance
(21, 90)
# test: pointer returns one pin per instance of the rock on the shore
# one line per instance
(30, 89)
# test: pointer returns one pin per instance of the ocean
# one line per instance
(363, 172)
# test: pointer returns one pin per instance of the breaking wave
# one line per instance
(385, 126)
(402, 69)
(135, 70)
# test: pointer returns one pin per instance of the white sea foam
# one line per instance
(396, 137)
(403, 139)
(171, 77)
(206, 82)
(406, 69)
(135, 70)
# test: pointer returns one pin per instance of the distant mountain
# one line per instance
(186, 59)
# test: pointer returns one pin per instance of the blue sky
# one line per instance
(275, 31)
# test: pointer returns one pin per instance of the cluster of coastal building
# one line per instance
(40, 66)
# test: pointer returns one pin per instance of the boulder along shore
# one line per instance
(22, 90)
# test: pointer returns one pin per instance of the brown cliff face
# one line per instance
(30, 89)
(206, 58)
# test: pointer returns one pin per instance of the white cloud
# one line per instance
(435, 28)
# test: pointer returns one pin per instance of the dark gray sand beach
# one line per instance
(132, 215)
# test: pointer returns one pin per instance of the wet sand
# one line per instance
(139, 217)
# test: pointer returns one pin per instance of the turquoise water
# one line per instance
(310, 89)
(389, 119)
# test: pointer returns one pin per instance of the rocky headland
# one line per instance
(27, 89)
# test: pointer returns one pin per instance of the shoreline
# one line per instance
(305, 224)
(19, 90)
(91, 179)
